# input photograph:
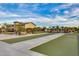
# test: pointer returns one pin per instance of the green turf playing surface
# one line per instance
(15, 40)
(63, 46)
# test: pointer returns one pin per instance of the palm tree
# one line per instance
(78, 29)
(57, 29)
(53, 27)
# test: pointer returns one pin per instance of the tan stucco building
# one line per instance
(26, 25)
(29, 25)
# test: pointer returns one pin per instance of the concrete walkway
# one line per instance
(7, 50)
(26, 45)
(23, 48)
(6, 36)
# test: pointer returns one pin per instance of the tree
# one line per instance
(53, 27)
(78, 29)
(0, 30)
(57, 28)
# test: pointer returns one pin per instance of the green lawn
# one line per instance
(65, 45)
(8, 33)
(15, 40)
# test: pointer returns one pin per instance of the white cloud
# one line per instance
(37, 19)
(63, 6)
(66, 12)
(60, 19)
(57, 21)
(75, 12)
(72, 23)
(25, 6)
(5, 14)
(2, 13)
(63, 21)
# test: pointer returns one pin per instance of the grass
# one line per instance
(65, 45)
(8, 33)
(15, 40)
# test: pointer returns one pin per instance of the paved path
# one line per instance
(26, 45)
(7, 50)
(5, 36)
(23, 48)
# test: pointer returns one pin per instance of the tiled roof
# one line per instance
(24, 23)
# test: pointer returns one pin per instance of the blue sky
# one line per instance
(42, 14)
